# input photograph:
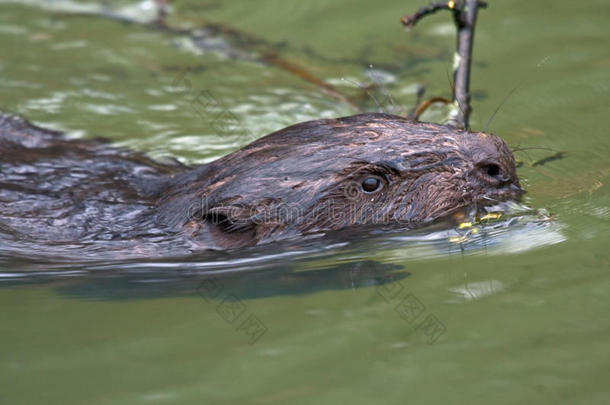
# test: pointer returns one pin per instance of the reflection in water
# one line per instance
(282, 281)
(132, 282)
(477, 290)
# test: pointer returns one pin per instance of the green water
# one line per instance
(523, 321)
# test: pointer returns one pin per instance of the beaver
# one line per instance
(371, 169)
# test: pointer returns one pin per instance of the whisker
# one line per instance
(377, 80)
(557, 155)
(491, 199)
(500, 106)
(366, 90)
(518, 149)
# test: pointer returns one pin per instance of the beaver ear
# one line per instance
(227, 227)
(232, 224)
(232, 218)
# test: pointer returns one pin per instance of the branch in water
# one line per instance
(464, 16)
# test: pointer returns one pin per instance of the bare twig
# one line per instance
(464, 16)
(410, 20)
(424, 105)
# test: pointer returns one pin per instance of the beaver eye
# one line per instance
(371, 184)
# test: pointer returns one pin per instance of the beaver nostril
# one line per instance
(492, 170)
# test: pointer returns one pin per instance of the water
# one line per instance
(514, 313)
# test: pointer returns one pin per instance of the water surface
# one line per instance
(516, 313)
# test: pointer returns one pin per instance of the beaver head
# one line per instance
(330, 174)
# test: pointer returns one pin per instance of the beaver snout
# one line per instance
(492, 173)
(498, 179)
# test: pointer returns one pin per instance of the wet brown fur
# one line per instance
(303, 179)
